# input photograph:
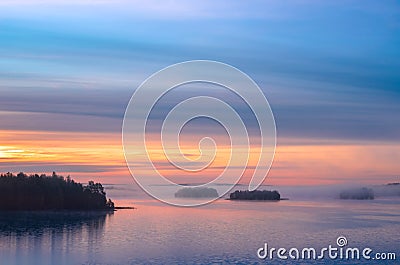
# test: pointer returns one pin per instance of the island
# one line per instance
(198, 192)
(357, 194)
(260, 195)
(41, 192)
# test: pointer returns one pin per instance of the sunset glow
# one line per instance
(66, 78)
(99, 155)
(199, 132)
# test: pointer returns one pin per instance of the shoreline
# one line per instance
(71, 210)
(282, 199)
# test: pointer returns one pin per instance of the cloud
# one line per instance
(173, 9)
(54, 2)
(42, 121)
(41, 167)
(324, 78)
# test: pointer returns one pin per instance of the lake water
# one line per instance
(224, 232)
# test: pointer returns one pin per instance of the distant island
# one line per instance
(357, 194)
(263, 195)
(42, 192)
(198, 192)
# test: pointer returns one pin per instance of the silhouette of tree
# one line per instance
(264, 195)
(357, 194)
(34, 192)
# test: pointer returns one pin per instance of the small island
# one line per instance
(260, 195)
(198, 192)
(357, 194)
(41, 192)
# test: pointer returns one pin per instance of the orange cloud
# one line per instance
(314, 163)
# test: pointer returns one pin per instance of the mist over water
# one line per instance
(317, 192)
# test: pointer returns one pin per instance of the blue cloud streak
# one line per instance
(329, 70)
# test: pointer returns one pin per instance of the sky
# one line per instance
(329, 70)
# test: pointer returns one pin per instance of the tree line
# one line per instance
(264, 195)
(42, 192)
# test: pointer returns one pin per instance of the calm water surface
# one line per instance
(225, 232)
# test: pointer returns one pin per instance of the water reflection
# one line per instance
(50, 237)
(225, 232)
